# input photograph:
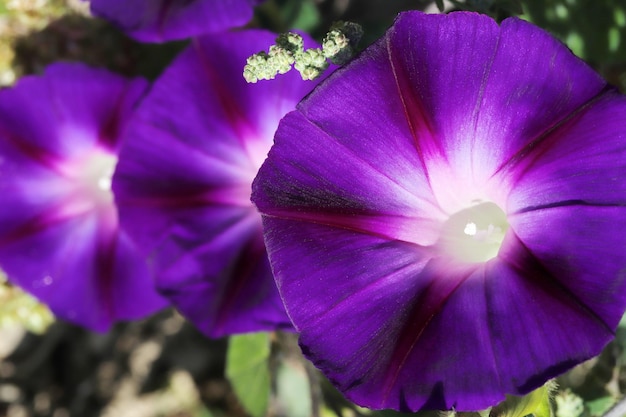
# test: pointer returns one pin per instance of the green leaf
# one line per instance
(293, 389)
(440, 5)
(203, 412)
(248, 371)
(308, 18)
(299, 14)
(537, 403)
(622, 322)
(327, 412)
(601, 405)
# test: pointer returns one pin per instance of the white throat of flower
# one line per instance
(95, 176)
(474, 234)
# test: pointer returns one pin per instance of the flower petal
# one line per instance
(224, 284)
(577, 190)
(579, 163)
(165, 20)
(379, 324)
(377, 152)
(77, 108)
(505, 86)
(409, 331)
(589, 249)
(299, 181)
(183, 182)
(85, 273)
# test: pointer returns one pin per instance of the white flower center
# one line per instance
(475, 234)
(94, 176)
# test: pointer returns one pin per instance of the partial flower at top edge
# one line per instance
(168, 20)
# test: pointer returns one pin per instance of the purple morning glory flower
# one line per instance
(59, 233)
(444, 216)
(183, 183)
(166, 20)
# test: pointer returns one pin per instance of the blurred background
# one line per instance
(162, 366)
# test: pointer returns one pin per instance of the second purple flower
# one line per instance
(183, 183)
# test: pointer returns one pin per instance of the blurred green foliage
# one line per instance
(595, 30)
(247, 370)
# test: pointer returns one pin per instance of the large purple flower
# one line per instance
(59, 233)
(166, 20)
(183, 183)
(445, 216)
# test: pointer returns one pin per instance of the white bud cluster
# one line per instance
(340, 42)
(265, 66)
(338, 46)
(311, 63)
(334, 43)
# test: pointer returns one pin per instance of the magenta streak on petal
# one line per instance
(33, 152)
(522, 260)
(532, 151)
(160, 23)
(236, 195)
(422, 130)
(163, 12)
(109, 135)
(383, 225)
(52, 216)
(105, 264)
(244, 266)
(432, 205)
(236, 116)
(427, 305)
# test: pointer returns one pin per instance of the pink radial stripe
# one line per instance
(562, 169)
(428, 304)
(235, 114)
(422, 231)
(379, 192)
(235, 195)
(543, 334)
(381, 142)
(580, 259)
(400, 286)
